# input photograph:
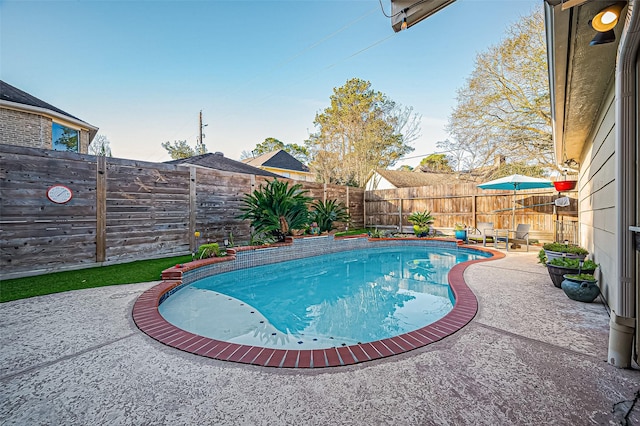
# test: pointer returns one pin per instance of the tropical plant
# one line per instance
(325, 213)
(421, 222)
(276, 209)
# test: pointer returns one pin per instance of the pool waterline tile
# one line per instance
(147, 318)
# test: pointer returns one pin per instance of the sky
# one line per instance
(142, 70)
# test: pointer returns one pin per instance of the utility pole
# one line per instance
(200, 148)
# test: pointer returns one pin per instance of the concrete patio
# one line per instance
(530, 356)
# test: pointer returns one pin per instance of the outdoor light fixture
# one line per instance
(608, 17)
(603, 38)
(404, 24)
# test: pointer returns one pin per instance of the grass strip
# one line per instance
(352, 232)
(125, 273)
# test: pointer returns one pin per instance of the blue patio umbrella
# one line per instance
(515, 183)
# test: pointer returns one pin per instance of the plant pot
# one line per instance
(461, 235)
(557, 273)
(557, 254)
(564, 185)
(580, 290)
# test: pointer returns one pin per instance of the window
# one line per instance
(64, 138)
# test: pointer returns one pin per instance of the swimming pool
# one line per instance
(146, 310)
(338, 299)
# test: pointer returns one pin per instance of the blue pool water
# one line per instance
(321, 302)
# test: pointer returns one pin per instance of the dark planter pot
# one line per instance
(580, 290)
(556, 273)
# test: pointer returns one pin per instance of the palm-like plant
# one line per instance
(276, 209)
(421, 222)
(327, 212)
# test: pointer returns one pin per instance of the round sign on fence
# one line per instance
(59, 194)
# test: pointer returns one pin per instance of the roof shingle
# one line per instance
(218, 161)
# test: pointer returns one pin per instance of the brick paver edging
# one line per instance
(149, 321)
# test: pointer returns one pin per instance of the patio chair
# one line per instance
(483, 232)
(520, 236)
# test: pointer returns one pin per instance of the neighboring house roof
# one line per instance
(279, 159)
(218, 161)
(13, 97)
(403, 179)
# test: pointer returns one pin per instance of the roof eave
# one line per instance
(93, 130)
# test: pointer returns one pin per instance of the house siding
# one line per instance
(25, 129)
(596, 197)
(32, 130)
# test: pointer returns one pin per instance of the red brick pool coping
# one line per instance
(148, 319)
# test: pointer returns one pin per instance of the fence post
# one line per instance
(192, 209)
(348, 205)
(473, 211)
(101, 208)
(400, 211)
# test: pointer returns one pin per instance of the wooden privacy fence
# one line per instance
(121, 210)
(466, 203)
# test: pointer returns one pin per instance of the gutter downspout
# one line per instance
(623, 315)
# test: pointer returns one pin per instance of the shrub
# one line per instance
(564, 248)
(581, 277)
(565, 262)
(376, 233)
(208, 250)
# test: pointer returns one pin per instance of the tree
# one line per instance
(405, 168)
(100, 146)
(507, 169)
(181, 149)
(504, 108)
(362, 130)
(301, 153)
(435, 163)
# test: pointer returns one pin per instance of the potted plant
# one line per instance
(460, 230)
(421, 222)
(561, 266)
(555, 250)
(581, 287)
